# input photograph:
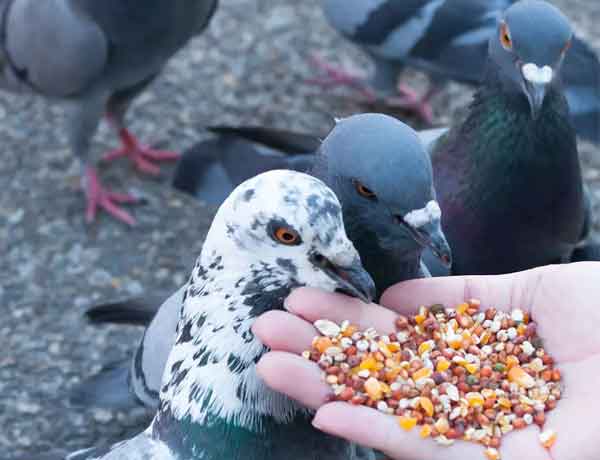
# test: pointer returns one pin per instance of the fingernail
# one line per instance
(316, 424)
(288, 302)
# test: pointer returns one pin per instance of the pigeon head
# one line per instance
(289, 226)
(383, 177)
(532, 40)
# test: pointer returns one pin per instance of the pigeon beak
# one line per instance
(535, 95)
(352, 280)
(431, 236)
(535, 85)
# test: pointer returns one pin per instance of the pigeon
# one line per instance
(97, 55)
(508, 176)
(277, 231)
(382, 176)
(375, 164)
(448, 40)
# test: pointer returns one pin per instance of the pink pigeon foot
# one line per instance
(335, 77)
(100, 197)
(141, 155)
(410, 101)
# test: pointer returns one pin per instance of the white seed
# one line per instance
(455, 413)
(332, 379)
(346, 342)
(306, 354)
(517, 315)
(496, 326)
(382, 406)
(402, 336)
(512, 333)
(340, 358)
(327, 328)
(452, 392)
(332, 351)
(362, 345)
(502, 336)
(528, 349)
(364, 373)
(528, 419)
(444, 441)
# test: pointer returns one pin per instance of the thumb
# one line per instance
(502, 292)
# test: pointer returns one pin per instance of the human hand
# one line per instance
(563, 300)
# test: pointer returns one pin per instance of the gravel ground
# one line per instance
(249, 68)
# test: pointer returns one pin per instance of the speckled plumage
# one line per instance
(212, 403)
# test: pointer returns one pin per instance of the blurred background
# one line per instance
(249, 68)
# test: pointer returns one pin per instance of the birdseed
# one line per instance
(458, 374)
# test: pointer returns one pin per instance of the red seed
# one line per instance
(347, 394)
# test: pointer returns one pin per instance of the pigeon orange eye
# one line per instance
(505, 37)
(287, 236)
(364, 191)
(567, 46)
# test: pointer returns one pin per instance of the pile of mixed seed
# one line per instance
(460, 373)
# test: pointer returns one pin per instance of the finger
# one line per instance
(371, 428)
(294, 376)
(284, 332)
(313, 304)
(503, 292)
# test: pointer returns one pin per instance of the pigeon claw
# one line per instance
(98, 197)
(336, 76)
(410, 101)
(142, 156)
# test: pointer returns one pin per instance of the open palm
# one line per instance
(563, 300)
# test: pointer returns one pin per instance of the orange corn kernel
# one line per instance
(420, 319)
(322, 344)
(426, 405)
(383, 348)
(512, 361)
(373, 389)
(472, 368)
(425, 431)
(349, 331)
(442, 365)
(422, 374)
(548, 438)
(462, 308)
(505, 403)
(369, 363)
(407, 423)
(522, 378)
(475, 399)
(492, 454)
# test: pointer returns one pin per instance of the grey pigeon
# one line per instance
(379, 170)
(275, 232)
(447, 39)
(375, 164)
(508, 177)
(98, 55)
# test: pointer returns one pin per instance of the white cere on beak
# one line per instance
(419, 217)
(537, 75)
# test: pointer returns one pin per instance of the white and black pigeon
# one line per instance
(98, 55)
(275, 232)
(447, 39)
(382, 176)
